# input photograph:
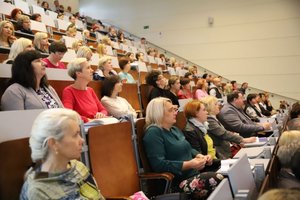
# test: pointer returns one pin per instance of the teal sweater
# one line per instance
(167, 150)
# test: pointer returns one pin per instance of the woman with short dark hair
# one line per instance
(115, 105)
(125, 76)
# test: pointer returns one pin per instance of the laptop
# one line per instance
(241, 177)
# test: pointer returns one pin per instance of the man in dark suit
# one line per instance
(234, 119)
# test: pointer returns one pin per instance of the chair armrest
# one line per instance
(166, 175)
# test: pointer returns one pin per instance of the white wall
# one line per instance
(256, 41)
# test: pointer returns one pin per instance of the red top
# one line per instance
(186, 94)
(50, 65)
(85, 102)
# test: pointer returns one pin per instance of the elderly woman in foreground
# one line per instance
(56, 144)
(172, 153)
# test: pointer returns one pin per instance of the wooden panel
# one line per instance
(15, 160)
(59, 86)
(112, 159)
(130, 93)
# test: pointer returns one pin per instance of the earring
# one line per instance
(56, 152)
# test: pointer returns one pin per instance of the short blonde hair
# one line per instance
(100, 48)
(103, 60)
(76, 45)
(38, 37)
(18, 46)
(209, 103)
(155, 111)
(106, 40)
(281, 194)
(83, 51)
(75, 66)
(288, 136)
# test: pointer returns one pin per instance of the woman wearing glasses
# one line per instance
(172, 153)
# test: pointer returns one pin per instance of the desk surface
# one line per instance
(252, 152)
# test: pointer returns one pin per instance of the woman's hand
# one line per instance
(209, 160)
(249, 140)
(99, 115)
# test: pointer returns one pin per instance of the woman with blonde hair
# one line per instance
(84, 52)
(41, 42)
(78, 96)
(106, 40)
(7, 32)
(172, 153)
(201, 91)
(76, 45)
(101, 50)
(105, 69)
(71, 31)
(220, 136)
(20, 45)
(288, 137)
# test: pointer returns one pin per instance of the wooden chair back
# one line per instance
(15, 161)
(180, 120)
(113, 160)
(130, 93)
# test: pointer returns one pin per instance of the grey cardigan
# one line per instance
(17, 97)
(221, 137)
(236, 120)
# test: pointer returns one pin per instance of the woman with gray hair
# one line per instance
(56, 144)
(84, 52)
(172, 153)
(79, 96)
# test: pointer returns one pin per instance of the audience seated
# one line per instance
(105, 69)
(130, 56)
(185, 91)
(268, 102)
(56, 146)
(174, 87)
(125, 76)
(72, 20)
(262, 105)
(252, 109)
(286, 178)
(140, 56)
(71, 31)
(20, 45)
(196, 128)
(220, 136)
(295, 111)
(24, 24)
(295, 164)
(57, 51)
(101, 50)
(281, 194)
(79, 96)
(16, 13)
(214, 88)
(60, 16)
(41, 42)
(115, 105)
(112, 34)
(45, 5)
(227, 89)
(120, 36)
(106, 40)
(158, 81)
(6, 33)
(234, 119)
(243, 88)
(76, 45)
(294, 124)
(29, 88)
(84, 52)
(201, 90)
(36, 17)
(288, 137)
(172, 153)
